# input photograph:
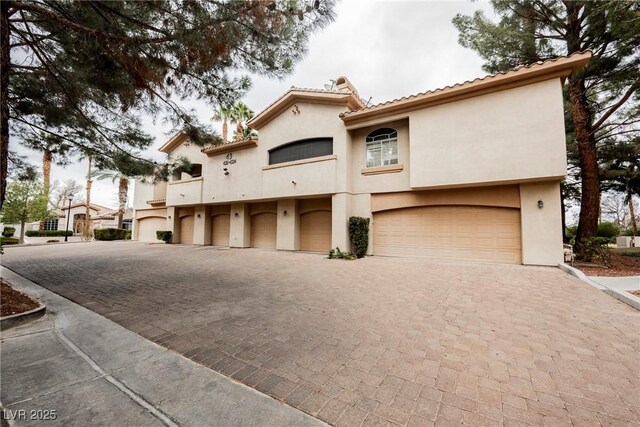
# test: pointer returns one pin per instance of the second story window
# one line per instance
(300, 150)
(382, 147)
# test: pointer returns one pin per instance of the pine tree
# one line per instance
(84, 71)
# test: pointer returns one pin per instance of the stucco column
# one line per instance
(288, 229)
(541, 219)
(340, 212)
(240, 226)
(202, 226)
(173, 223)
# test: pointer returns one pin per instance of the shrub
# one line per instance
(127, 235)
(596, 248)
(9, 240)
(47, 233)
(359, 235)
(338, 254)
(164, 235)
(608, 230)
(571, 231)
(8, 231)
(109, 233)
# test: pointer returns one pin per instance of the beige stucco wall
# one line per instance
(541, 228)
(511, 135)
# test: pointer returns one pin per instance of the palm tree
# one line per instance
(223, 114)
(240, 113)
(123, 190)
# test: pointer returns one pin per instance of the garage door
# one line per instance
(147, 228)
(315, 231)
(220, 230)
(484, 234)
(263, 230)
(186, 230)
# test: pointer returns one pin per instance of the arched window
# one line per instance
(382, 147)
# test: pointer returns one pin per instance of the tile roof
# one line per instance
(579, 57)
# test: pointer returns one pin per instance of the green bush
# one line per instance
(608, 230)
(164, 235)
(627, 231)
(8, 231)
(109, 233)
(127, 235)
(571, 231)
(596, 249)
(338, 254)
(359, 235)
(8, 240)
(47, 233)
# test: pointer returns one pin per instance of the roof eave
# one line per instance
(560, 68)
(176, 140)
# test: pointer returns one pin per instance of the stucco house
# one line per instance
(465, 172)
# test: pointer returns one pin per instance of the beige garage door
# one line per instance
(220, 230)
(315, 231)
(147, 228)
(186, 230)
(263, 230)
(449, 232)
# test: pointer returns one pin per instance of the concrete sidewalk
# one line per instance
(618, 287)
(75, 367)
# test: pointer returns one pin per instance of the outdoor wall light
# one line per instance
(198, 215)
(285, 213)
(540, 204)
(226, 171)
(236, 214)
(169, 216)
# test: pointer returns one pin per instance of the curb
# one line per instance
(625, 297)
(19, 318)
(580, 275)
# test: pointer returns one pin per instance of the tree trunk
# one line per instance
(22, 226)
(590, 185)
(123, 189)
(225, 131)
(46, 176)
(86, 230)
(582, 122)
(634, 225)
(239, 131)
(563, 214)
(5, 63)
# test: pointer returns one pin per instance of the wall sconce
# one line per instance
(540, 204)
(226, 171)
(285, 213)
(169, 216)
(235, 214)
(198, 215)
(293, 182)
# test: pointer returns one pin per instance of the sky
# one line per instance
(386, 49)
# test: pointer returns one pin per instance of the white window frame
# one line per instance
(48, 223)
(385, 143)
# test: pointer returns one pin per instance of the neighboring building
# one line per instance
(101, 217)
(466, 172)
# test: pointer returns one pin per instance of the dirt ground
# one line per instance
(623, 265)
(12, 301)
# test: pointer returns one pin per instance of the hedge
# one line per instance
(8, 231)
(164, 235)
(8, 240)
(359, 235)
(109, 233)
(47, 233)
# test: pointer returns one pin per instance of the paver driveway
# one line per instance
(374, 341)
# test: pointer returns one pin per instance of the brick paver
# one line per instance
(377, 341)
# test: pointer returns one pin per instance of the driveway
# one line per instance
(373, 341)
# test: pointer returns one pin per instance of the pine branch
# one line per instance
(616, 106)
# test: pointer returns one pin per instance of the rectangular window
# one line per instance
(382, 153)
(50, 224)
(126, 224)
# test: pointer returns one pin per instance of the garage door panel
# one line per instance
(186, 230)
(263, 230)
(315, 231)
(220, 230)
(449, 232)
(147, 228)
